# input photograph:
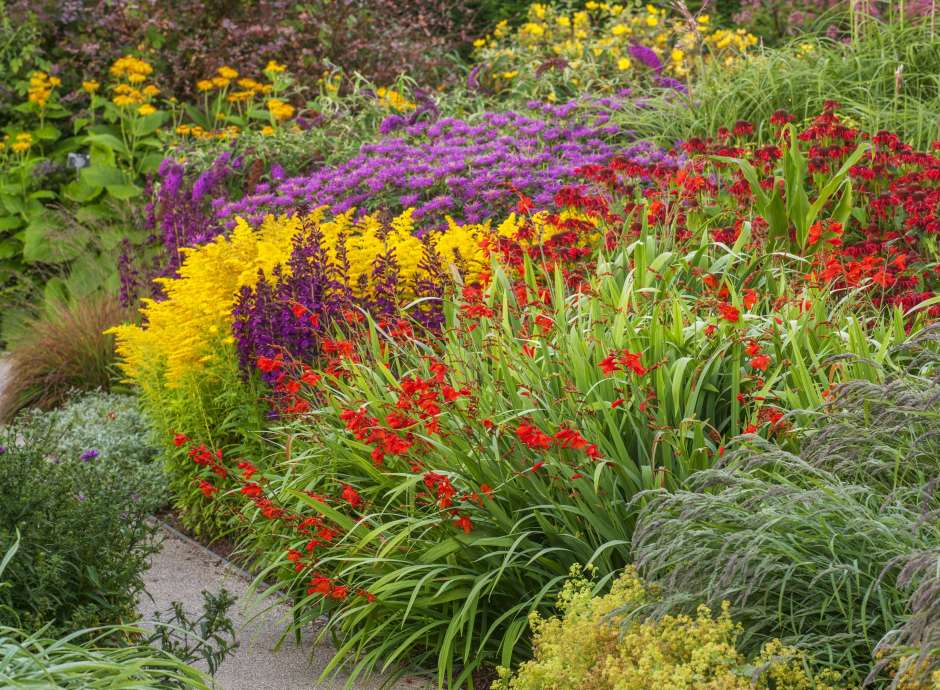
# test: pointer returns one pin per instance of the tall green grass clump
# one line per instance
(835, 549)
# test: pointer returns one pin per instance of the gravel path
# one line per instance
(183, 569)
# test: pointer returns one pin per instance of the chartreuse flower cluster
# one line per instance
(594, 645)
(606, 44)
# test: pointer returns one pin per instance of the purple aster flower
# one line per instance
(89, 455)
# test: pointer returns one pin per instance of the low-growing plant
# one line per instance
(593, 645)
(84, 537)
(118, 655)
(111, 433)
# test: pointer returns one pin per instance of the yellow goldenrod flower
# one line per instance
(624, 63)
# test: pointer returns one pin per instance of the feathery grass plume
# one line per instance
(62, 349)
(837, 550)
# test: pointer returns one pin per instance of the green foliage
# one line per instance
(88, 660)
(834, 550)
(83, 538)
(116, 656)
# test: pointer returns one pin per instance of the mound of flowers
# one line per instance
(471, 171)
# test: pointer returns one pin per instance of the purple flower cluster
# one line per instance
(468, 170)
(287, 312)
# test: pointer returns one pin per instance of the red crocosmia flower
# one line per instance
(180, 439)
(533, 437)
(631, 360)
(537, 466)
(616, 403)
(729, 312)
(248, 470)
(320, 585)
(544, 322)
(488, 424)
(314, 320)
(339, 592)
(207, 489)
(710, 280)
(609, 364)
(761, 362)
(298, 310)
(351, 496)
(592, 452)
(577, 475)
(367, 595)
(529, 351)
(710, 329)
(750, 429)
(487, 490)
(464, 523)
(310, 378)
(752, 349)
(569, 438)
(749, 298)
(270, 364)
(251, 489)
(293, 555)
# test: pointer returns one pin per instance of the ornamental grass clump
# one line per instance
(835, 550)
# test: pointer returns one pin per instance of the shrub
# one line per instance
(63, 348)
(587, 649)
(83, 539)
(110, 431)
(837, 557)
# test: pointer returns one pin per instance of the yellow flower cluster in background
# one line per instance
(592, 645)
(40, 88)
(594, 45)
(130, 91)
(394, 100)
(21, 142)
